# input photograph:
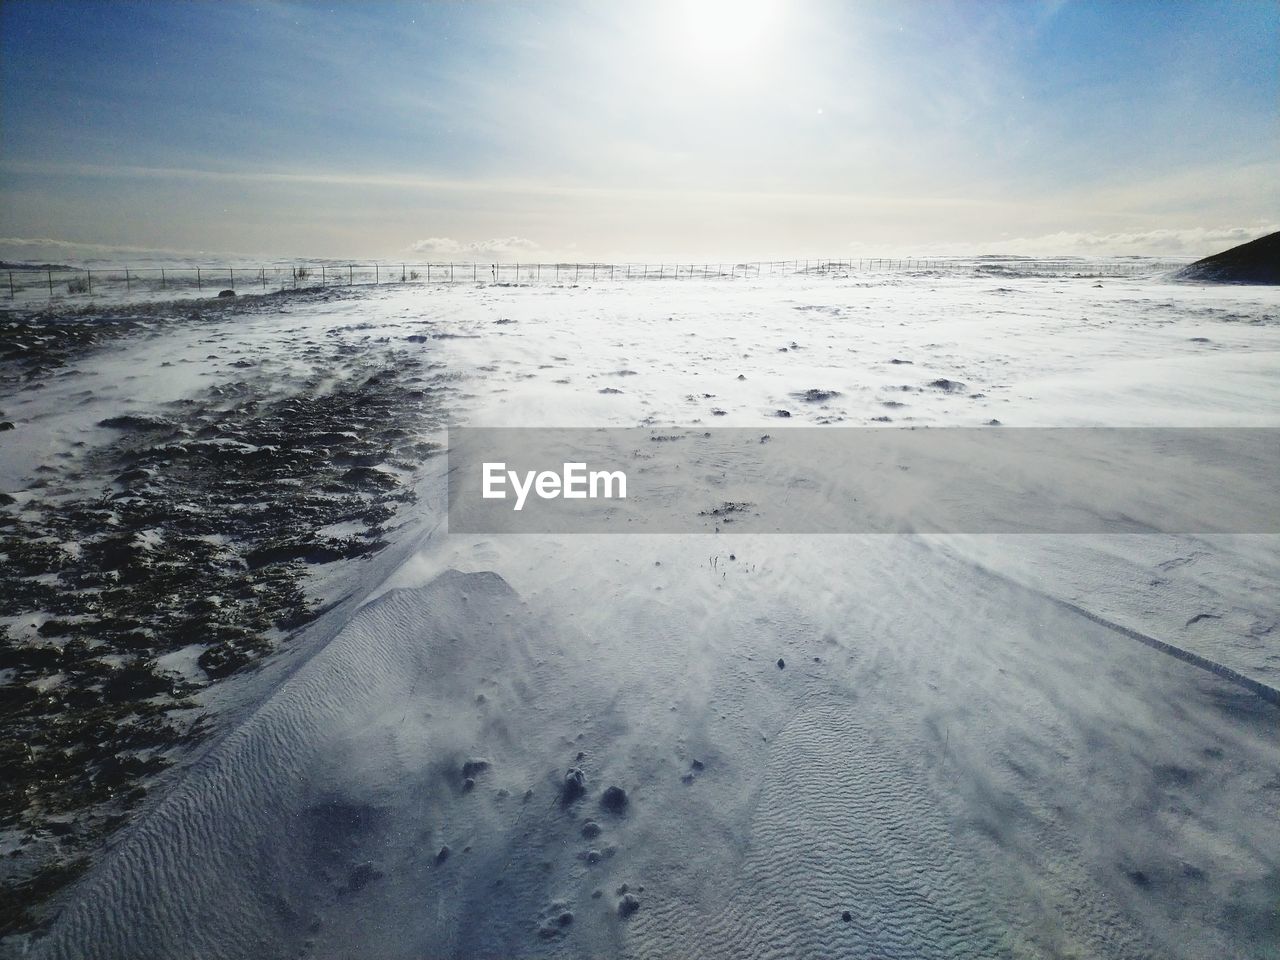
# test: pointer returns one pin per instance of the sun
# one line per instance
(723, 35)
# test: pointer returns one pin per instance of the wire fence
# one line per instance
(80, 283)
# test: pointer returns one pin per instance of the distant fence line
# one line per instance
(81, 281)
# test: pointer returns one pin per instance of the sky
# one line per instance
(703, 129)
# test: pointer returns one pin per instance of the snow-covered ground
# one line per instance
(863, 746)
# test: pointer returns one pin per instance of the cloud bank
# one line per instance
(500, 248)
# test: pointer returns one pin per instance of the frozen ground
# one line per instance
(830, 746)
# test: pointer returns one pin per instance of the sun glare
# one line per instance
(721, 35)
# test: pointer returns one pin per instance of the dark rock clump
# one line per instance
(574, 786)
(614, 800)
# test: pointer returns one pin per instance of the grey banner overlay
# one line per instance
(872, 480)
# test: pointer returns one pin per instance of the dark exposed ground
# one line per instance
(191, 528)
(1257, 261)
(34, 343)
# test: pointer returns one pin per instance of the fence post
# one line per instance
(262, 275)
(164, 281)
(351, 275)
(89, 280)
(128, 284)
(199, 283)
(11, 285)
(451, 271)
(377, 275)
(233, 277)
(402, 273)
(51, 283)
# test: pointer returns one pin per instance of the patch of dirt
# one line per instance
(206, 520)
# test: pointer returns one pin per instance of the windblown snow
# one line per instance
(855, 746)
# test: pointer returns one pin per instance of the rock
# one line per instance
(226, 293)
(698, 765)
(846, 916)
(443, 855)
(468, 784)
(555, 920)
(614, 800)
(781, 664)
(222, 660)
(575, 785)
(474, 766)
(628, 905)
(137, 422)
(590, 829)
(782, 413)
(135, 681)
(6, 425)
(819, 396)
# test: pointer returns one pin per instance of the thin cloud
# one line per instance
(28, 248)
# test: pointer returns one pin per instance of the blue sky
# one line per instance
(760, 128)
